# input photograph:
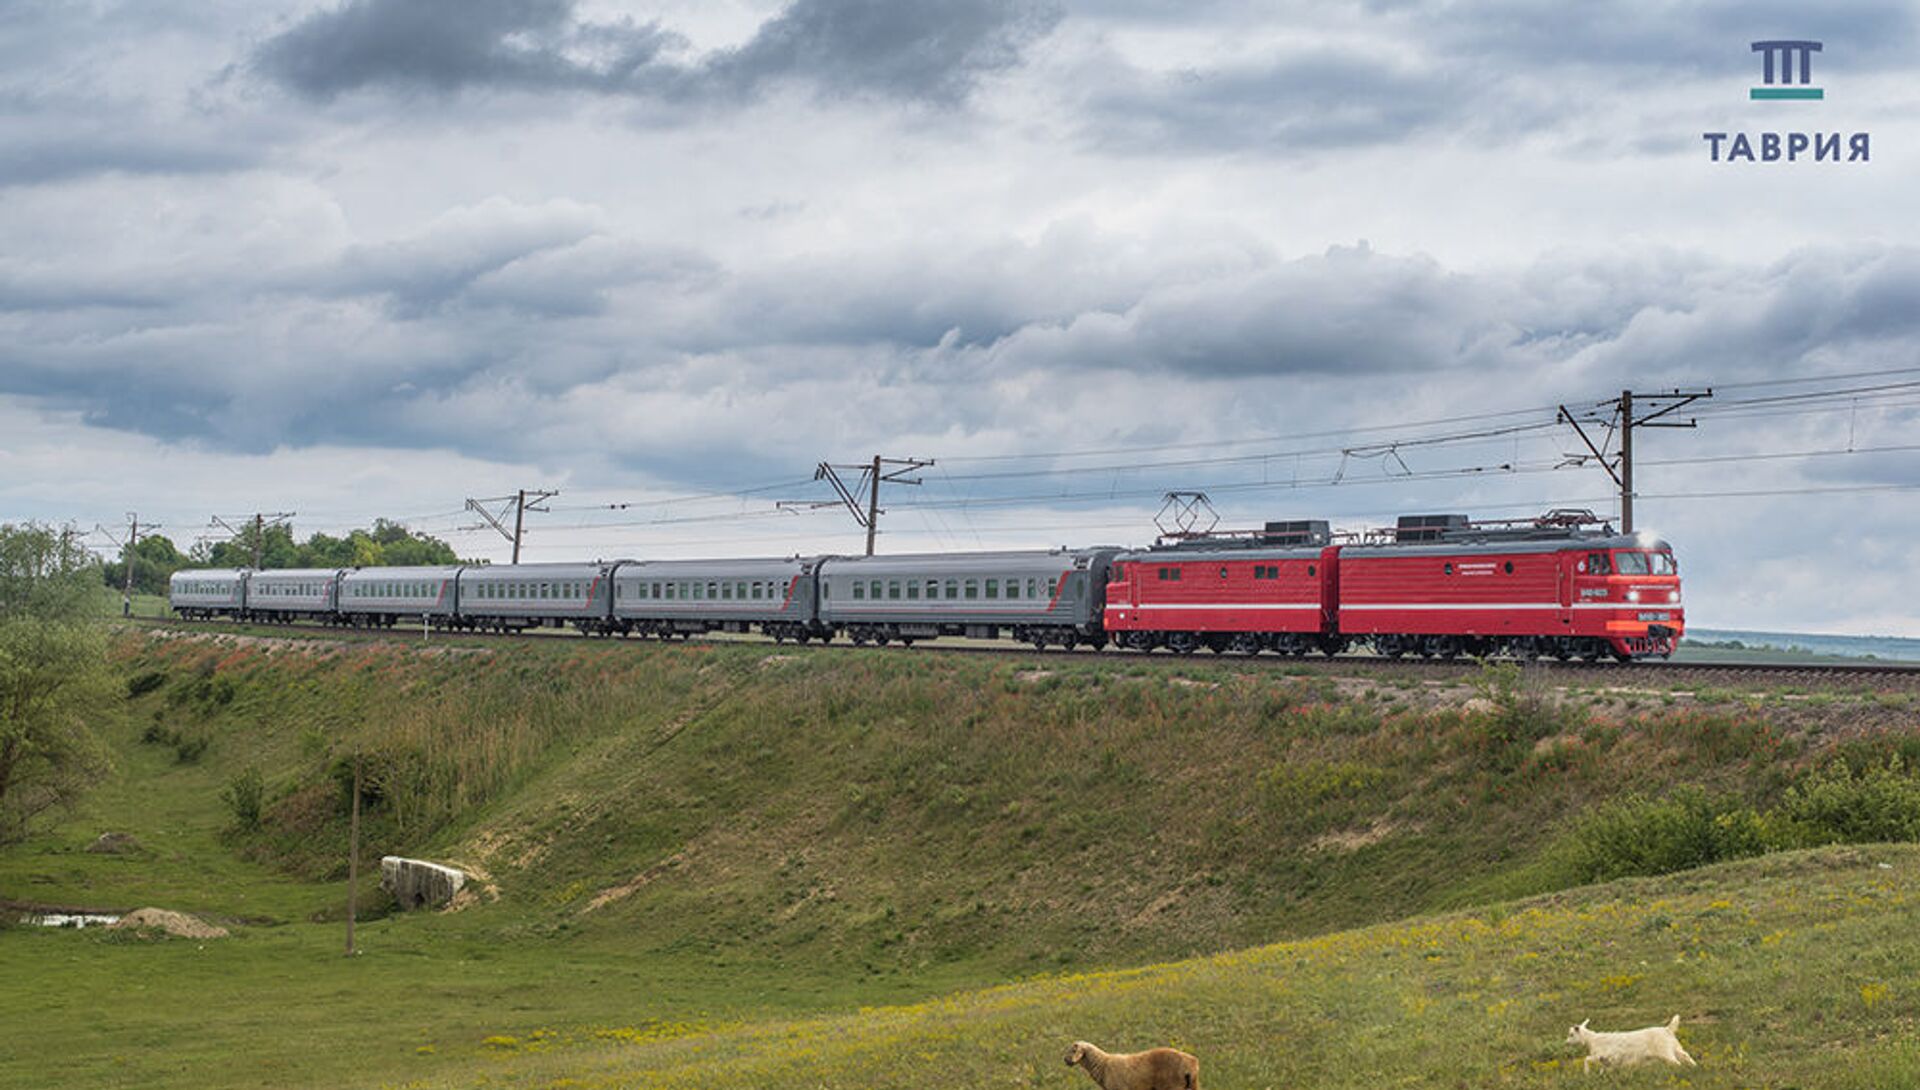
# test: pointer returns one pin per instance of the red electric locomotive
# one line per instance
(1434, 586)
(1444, 587)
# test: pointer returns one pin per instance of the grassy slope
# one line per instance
(1792, 971)
(803, 833)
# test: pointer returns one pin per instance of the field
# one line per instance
(730, 865)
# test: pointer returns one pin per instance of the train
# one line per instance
(1564, 585)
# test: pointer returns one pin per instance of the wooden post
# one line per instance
(353, 859)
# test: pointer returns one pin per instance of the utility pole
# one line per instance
(261, 523)
(1622, 416)
(871, 474)
(353, 858)
(521, 504)
(133, 538)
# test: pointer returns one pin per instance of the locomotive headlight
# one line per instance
(1633, 596)
(1673, 596)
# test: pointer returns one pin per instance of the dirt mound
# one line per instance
(173, 923)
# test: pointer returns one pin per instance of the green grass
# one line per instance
(804, 833)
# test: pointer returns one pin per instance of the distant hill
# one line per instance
(1719, 641)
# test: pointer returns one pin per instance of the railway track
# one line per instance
(1648, 672)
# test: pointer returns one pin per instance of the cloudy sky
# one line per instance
(370, 258)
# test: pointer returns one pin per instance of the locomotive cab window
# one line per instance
(1632, 563)
(1598, 564)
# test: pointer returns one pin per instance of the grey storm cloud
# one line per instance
(1496, 71)
(309, 363)
(925, 50)
(1547, 36)
(1292, 104)
(552, 260)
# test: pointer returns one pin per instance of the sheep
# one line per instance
(1154, 1069)
(1630, 1047)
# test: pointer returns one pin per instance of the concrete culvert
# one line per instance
(416, 883)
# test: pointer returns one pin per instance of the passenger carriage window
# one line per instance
(740, 591)
(712, 592)
(756, 590)
(1053, 588)
(726, 591)
(1013, 588)
(859, 591)
(893, 590)
(972, 587)
(913, 590)
(953, 588)
(873, 589)
(993, 588)
(933, 588)
(1031, 584)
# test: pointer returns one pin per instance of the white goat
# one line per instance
(1631, 1047)
(1154, 1069)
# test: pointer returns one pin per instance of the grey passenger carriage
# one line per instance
(208, 592)
(1039, 597)
(500, 597)
(683, 597)
(292, 594)
(382, 597)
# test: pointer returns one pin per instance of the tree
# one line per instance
(54, 679)
(155, 559)
(388, 544)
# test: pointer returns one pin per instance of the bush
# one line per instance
(244, 795)
(189, 750)
(1503, 737)
(1638, 836)
(1839, 805)
(142, 684)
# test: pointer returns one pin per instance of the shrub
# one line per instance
(1642, 836)
(1841, 805)
(244, 795)
(1502, 737)
(142, 684)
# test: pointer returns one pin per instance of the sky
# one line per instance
(372, 258)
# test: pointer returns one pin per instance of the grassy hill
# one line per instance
(688, 848)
